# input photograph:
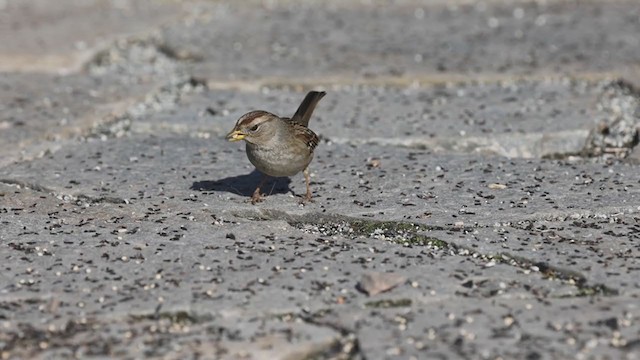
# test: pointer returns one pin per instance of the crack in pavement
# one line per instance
(28, 185)
(414, 80)
(529, 145)
(412, 234)
(82, 198)
(348, 348)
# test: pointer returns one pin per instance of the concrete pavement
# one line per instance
(484, 153)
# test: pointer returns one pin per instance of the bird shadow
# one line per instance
(245, 184)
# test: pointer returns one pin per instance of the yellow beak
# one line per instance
(235, 135)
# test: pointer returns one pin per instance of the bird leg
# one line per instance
(307, 180)
(257, 195)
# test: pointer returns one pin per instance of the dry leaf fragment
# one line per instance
(497, 186)
(374, 283)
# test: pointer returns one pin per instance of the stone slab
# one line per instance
(164, 276)
(520, 119)
(338, 42)
(403, 185)
(38, 37)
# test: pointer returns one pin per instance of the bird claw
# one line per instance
(256, 198)
(306, 199)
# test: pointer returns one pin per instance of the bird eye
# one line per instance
(254, 127)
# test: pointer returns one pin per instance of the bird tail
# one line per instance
(303, 114)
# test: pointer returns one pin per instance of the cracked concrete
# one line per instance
(483, 153)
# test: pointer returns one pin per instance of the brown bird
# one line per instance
(279, 146)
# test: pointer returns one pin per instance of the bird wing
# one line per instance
(306, 135)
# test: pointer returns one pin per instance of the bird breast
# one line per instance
(276, 161)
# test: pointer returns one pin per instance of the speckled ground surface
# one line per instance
(484, 154)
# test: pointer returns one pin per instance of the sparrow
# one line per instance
(279, 146)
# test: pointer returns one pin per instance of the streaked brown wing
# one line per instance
(305, 134)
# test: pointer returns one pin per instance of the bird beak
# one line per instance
(235, 135)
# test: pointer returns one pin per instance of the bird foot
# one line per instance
(306, 199)
(257, 197)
